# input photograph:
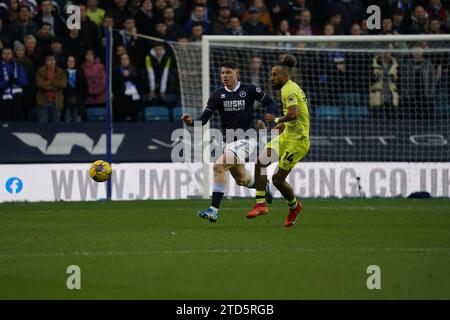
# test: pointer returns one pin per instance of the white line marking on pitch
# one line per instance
(156, 252)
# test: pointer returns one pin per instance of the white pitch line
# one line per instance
(223, 251)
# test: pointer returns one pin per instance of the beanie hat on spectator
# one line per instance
(18, 45)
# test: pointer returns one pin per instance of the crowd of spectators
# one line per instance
(49, 72)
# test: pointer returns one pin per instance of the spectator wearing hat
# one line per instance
(12, 81)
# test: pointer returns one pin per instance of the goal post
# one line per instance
(206, 136)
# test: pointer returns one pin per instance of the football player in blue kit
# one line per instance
(235, 103)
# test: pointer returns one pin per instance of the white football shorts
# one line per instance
(242, 149)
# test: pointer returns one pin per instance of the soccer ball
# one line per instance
(100, 170)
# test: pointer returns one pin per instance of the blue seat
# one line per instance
(356, 112)
(95, 114)
(156, 113)
(177, 112)
(351, 99)
(328, 112)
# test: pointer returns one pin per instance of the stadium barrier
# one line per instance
(408, 140)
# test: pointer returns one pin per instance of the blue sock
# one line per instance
(217, 195)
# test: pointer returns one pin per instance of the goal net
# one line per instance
(371, 98)
(361, 90)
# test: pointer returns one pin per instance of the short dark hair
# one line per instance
(24, 6)
(397, 12)
(229, 64)
(289, 62)
(196, 24)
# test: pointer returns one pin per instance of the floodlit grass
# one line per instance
(162, 250)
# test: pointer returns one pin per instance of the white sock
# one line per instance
(214, 209)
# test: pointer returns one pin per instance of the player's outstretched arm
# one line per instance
(204, 117)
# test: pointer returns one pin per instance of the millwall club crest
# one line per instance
(242, 94)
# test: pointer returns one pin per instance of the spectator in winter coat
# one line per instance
(50, 82)
(96, 80)
(126, 91)
(12, 83)
(75, 93)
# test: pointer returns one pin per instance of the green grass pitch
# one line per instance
(162, 250)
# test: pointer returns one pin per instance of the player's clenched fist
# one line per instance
(187, 119)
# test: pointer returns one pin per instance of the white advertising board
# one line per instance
(130, 181)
